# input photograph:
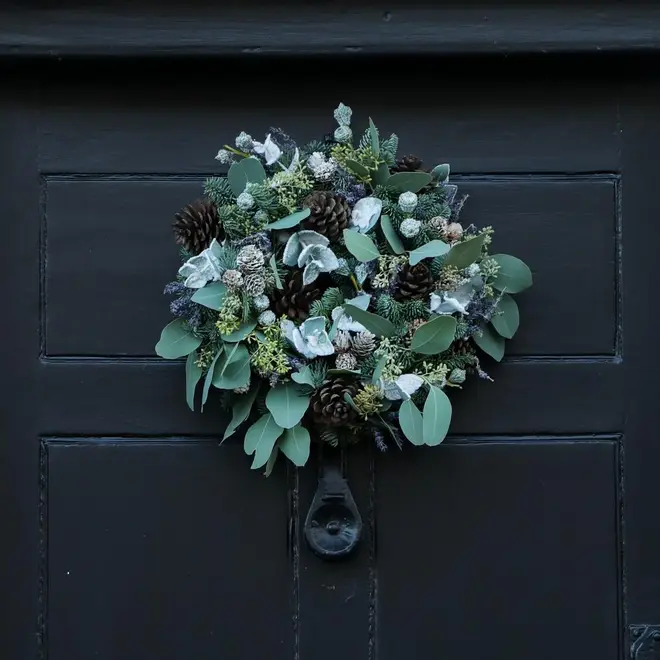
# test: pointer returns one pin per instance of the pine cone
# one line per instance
(409, 163)
(329, 214)
(414, 282)
(196, 225)
(364, 343)
(294, 299)
(327, 405)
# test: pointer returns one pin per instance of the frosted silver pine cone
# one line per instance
(410, 227)
(408, 202)
(343, 134)
(364, 343)
(346, 361)
(342, 341)
(261, 302)
(245, 201)
(250, 259)
(254, 284)
(439, 222)
(232, 278)
(244, 141)
(267, 318)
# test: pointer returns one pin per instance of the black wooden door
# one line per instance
(127, 533)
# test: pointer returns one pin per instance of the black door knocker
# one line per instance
(333, 525)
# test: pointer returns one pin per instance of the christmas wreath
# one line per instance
(331, 294)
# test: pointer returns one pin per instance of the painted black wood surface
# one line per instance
(128, 534)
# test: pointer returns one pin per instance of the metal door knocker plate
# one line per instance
(333, 525)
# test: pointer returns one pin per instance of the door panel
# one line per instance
(508, 541)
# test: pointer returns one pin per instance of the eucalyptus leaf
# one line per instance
(440, 172)
(260, 439)
(211, 296)
(391, 235)
(240, 410)
(513, 276)
(409, 181)
(437, 417)
(176, 341)
(435, 336)
(271, 461)
(490, 342)
(357, 168)
(465, 253)
(273, 266)
(290, 220)
(378, 369)
(506, 318)
(248, 170)
(380, 175)
(304, 376)
(431, 249)
(360, 246)
(287, 404)
(193, 374)
(349, 400)
(233, 368)
(410, 420)
(373, 135)
(241, 333)
(295, 444)
(208, 379)
(375, 324)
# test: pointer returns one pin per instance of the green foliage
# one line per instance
(401, 313)
(264, 196)
(388, 149)
(218, 190)
(431, 205)
(320, 146)
(319, 370)
(330, 299)
(237, 223)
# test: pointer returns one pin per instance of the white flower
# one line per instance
(310, 339)
(225, 157)
(473, 270)
(244, 141)
(268, 149)
(322, 168)
(342, 321)
(202, 269)
(403, 387)
(454, 301)
(366, 213)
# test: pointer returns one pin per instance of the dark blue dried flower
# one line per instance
(296, 363)
(379, 439)
(273, 378)
(183, 306)
(354, 193)
(260, 240)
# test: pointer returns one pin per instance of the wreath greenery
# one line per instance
(331, 293)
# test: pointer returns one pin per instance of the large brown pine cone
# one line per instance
(329, 214)
(414, 282)
(328, 407)
(294, 299)
(409, 163)
(196, 225)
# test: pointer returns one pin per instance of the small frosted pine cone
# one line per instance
(439, 223)
(250, 259)
(342, 341)
(233, 279)
(254, 284)
(346, 361)
(364, 343)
